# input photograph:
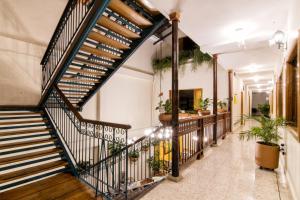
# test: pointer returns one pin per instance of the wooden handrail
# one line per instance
(81, 119)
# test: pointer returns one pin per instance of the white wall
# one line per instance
(25, 32)
(188, 79)
(20, 72)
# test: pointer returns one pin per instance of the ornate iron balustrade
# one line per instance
(142, 162)
(88, 141)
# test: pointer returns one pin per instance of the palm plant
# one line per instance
(267, 132)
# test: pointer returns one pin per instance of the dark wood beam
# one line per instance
(230, 97)
(174, 17)
(215, 97)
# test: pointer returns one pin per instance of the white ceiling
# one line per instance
(217, 26)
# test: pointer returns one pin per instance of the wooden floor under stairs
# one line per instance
(59, 187)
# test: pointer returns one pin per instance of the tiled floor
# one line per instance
(227, 172)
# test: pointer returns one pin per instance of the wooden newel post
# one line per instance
(215, 97)
(174, 17)
(230, 98)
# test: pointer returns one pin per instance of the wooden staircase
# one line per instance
(29, 149)
(122, 27)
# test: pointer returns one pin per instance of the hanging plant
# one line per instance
(196, 57)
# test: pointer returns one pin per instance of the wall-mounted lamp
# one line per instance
(279, 38)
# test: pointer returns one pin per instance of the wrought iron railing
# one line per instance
(117, 167)
(69, 23)
(88, 141)
(149, 157)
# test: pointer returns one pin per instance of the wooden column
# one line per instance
(174, 17)
(230, 98)
(215, 97)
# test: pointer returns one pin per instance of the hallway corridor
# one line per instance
(227, 172)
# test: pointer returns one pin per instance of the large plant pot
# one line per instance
(266, 156)
(205, 112)
(165, 119)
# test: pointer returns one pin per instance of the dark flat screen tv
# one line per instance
(186, 100)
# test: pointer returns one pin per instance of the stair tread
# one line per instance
(28, 156)
(128, 13)
(82, 80)
(98, 52)
(11, 176)
(108, 41)
(114, 26)
(26, 143)
(81, 71)
(74, 87)
(23, 122)
(19, 113)
(9, 133)
(89, 62)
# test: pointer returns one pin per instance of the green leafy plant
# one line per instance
(145, 147)
(222, 104)
(196, 56)
(115, 148)
(166, 106)
(267, 132)
(264, 109)
(155, 163)
(134, 153)
(82, 166)
(204, 103)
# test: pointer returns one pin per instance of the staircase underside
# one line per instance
(61, 186)
(119, 31)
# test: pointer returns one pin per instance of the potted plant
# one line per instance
(204, 103)
(156, 164)
(133, 155)
(267, 148)
(165, 108)
(264, 109)
(145, 147)
(115, 148)
(222, 106)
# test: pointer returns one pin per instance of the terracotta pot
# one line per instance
(133, 159)
(266, 156)
(222, 110)
(165, 119)
(205, 112)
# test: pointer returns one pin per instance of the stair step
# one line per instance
(19, 113)
(108, 41)
(74, 87)
(81, 71)
(92, 63)
(20, 117)
(117, 28)
(26, 143)
(23, 132)
(78, 80)
(15, 175)
(128, 13)
(99, 52)
(22, 122)
(23, 157)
